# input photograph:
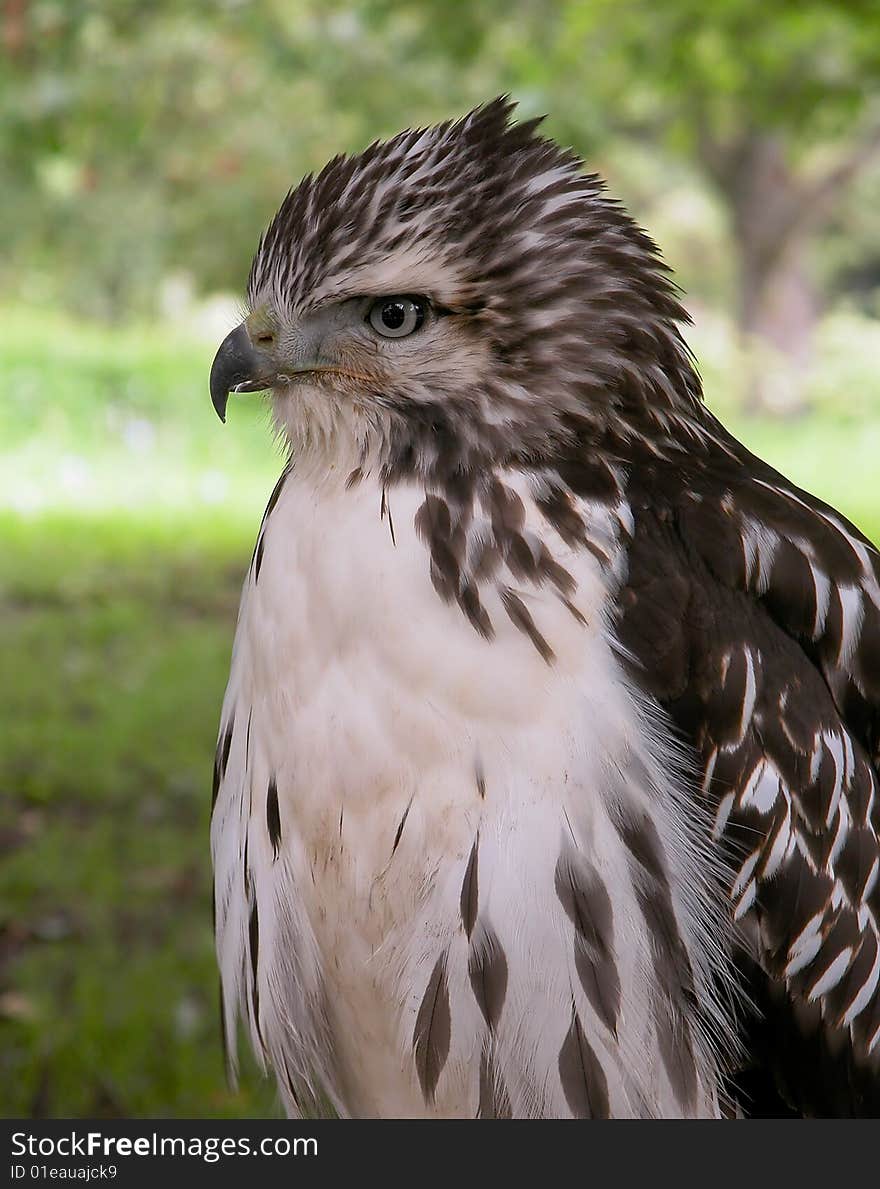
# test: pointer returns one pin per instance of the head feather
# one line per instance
(574, 309)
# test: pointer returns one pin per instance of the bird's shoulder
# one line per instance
(751, 611)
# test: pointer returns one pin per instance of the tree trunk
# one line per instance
(12, 27)
(777, 310)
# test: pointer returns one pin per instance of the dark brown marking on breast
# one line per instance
(276, 493)
(254, 947)
(477, 615)
(506, 510)
(550, 570)
(273, 817)
(258, 560)
(599, 553)
(434, 527)
(521, 561)
(480, 774)
(558, 509)
(592, 477)
(470, 894)
(385, 509)
(521, 617)
(588, 906)
(487, 970)
(674, 1003)
(221, 758)
(487, 559)
(494, 1099)
(583, 1078)
(400, 825)
(677, 1051)
(639, 835)
(215, 782)
(579, 616)
(675, 996)
(432, 1032)
(432, 520)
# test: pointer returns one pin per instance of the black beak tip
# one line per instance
(219, 385)
(233, 364)
(220, 400)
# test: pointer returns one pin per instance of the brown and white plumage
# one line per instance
(755, 610)
(540, 679)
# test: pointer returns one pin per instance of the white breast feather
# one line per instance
(402, 745)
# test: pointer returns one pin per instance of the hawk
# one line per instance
(547, 775)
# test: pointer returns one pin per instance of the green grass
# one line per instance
(114, 641)
(837, 461)
(127, 517)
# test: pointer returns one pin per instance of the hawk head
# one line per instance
(455, 296)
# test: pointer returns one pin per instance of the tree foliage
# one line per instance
(143, 139)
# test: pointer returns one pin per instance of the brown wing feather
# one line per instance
(752, 612)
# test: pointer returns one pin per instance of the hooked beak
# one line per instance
(238, 367)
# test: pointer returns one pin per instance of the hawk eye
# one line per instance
(396, 317)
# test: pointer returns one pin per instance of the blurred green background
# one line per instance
(142, 149)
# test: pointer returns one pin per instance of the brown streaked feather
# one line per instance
(259, 548)
(273, 817)
(221, 758)
(677, 1051)
(494, 1100)
(521, 617)
(398, 833)
(470, 896)
(254, 948)
(742, 599)
(433, 1030)
(588, 906)
(583, 1079)
(487, 970)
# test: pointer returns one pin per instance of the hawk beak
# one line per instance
(238, 367)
